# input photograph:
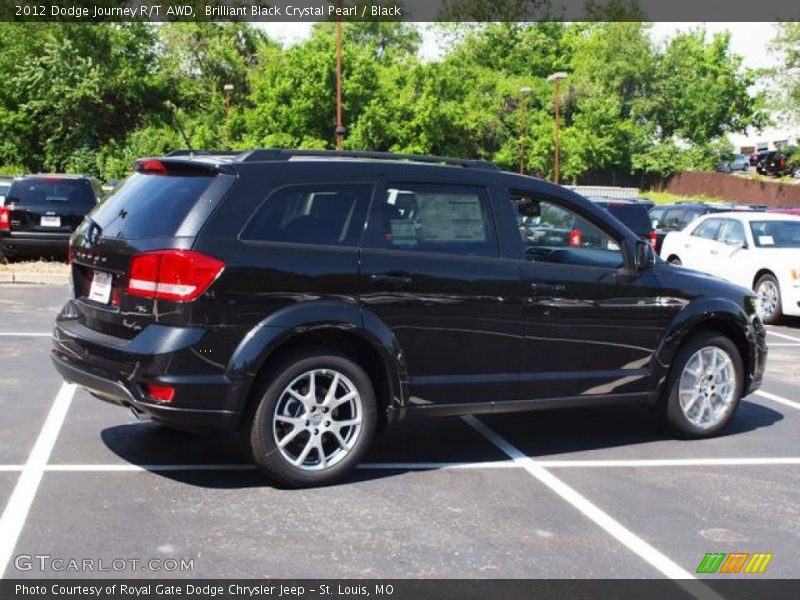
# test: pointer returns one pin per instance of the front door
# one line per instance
(592, 324)
(431, 271)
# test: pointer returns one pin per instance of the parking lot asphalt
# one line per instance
(561, 494)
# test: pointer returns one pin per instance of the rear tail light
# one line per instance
(161, 393)
(5, 218)
(178, 275)
(575, 237)
(653, 238)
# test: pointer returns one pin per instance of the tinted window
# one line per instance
(36, 191)
(148, 206)
(732, 232)
(673, 219)
(450, 219)
(634, 216)
(553, 233)
(329, 215)
(708, 229)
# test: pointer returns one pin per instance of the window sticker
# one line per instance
(766, 240)
(404, 232)
(451, 218)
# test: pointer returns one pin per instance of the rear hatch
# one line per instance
(132, 263)
(49, 205)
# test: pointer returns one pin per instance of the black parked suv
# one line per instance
(310, 298)
(40, 213)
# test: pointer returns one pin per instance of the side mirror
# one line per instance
(644, 256)
(737, 244)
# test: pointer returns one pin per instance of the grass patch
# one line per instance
(668, 198)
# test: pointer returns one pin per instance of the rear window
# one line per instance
(148, 206)
(35, 191)
(633, 215)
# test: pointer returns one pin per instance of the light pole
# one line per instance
(228, 87)
(340, 130)
(556, 79)
(523, 91)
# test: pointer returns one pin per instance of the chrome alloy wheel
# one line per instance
(707, 387)
(767, 304)
(317, 419)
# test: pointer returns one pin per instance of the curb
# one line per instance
(40, 278)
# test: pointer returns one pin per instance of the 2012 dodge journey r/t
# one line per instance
(310, 298)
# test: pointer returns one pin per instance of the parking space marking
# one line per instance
(23, 334)
(783, 335)
(778, 399)
(670, 462)
(784, 345)
(19, 504)
(613, 527)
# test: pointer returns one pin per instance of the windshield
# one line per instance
(776, 234)
(32, 191)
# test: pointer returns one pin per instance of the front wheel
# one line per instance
(315, 420)
(768, 304)
(704, 386)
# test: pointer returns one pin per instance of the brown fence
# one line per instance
(732, 188)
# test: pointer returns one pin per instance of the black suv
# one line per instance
(309, 298)
(41, 212)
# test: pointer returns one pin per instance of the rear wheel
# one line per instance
(315, 420)
(768, 304)
(704, 386)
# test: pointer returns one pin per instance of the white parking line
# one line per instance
(783, 335)
(624, 535)
(784, 345)
(16, 511)
(668, 462)
(23, 334)
(778, 399)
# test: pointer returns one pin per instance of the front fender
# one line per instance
(722, 312)
(306, 317)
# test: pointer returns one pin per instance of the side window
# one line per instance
(708, 229)
(732, 232)
(326, 215)
(556, 234)
(441, 218)
(674, 219)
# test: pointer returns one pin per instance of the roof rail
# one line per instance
(205, 153)
(283, 154)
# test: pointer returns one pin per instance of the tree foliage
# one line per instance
(93, 97)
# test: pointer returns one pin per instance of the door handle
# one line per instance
(392, 278)
(548, 287)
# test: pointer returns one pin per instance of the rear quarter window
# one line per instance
(149, 206)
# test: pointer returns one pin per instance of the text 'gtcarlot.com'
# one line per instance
(47, 562)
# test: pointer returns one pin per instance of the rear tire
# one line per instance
(769, 299)
(304, 435)
(704, 386)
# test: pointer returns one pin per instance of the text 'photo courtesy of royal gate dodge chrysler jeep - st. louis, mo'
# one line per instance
(310, 299)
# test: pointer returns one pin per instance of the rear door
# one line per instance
(431, 270)
(47, 205)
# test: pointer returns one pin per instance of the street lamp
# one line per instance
(523, 91)
(228, 87)
(340, 130)
(556, 78)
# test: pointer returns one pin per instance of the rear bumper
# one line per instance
(26, 243)
(117, 370)
(790, 300)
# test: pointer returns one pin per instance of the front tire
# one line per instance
(315, 420)
(704, 386)
(769, 299)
